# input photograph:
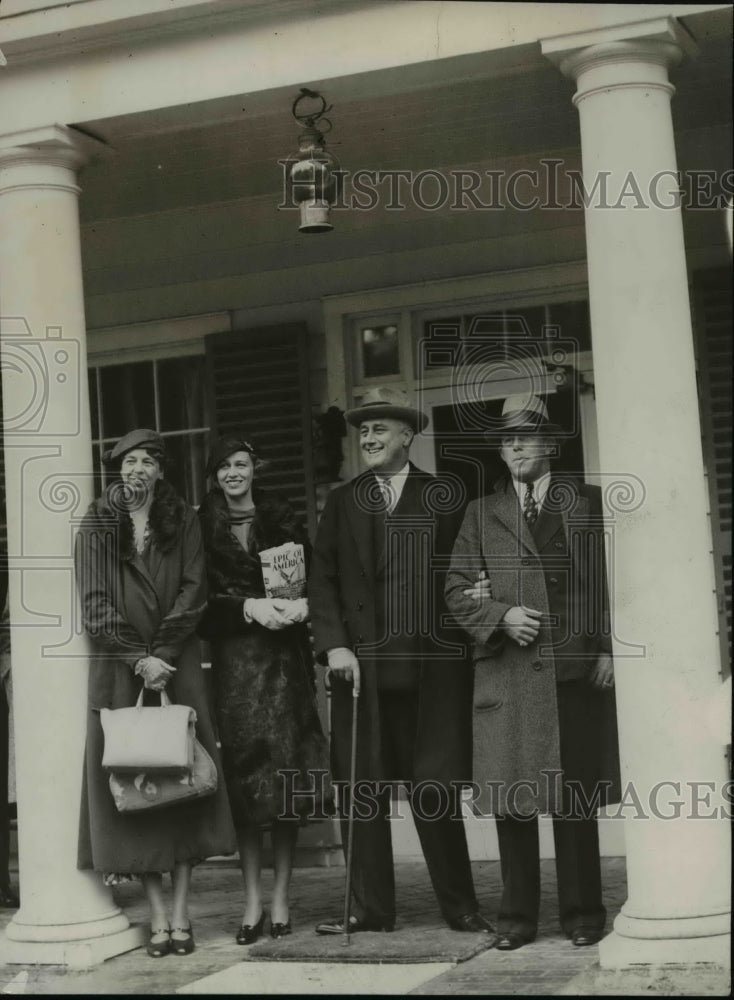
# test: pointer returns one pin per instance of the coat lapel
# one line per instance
(509, 512)
(547, 526)
(360, 522)
(147, 570)
(410, 502)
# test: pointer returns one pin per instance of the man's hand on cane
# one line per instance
(345, 665)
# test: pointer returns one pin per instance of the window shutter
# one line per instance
(258, 385)
(712, 298)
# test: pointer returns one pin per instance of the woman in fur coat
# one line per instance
(273, 748)
(141, 576)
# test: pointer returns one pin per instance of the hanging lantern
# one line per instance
(313, 173)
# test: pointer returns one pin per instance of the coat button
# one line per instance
(362, 573)
(359, 605)
(537, 665)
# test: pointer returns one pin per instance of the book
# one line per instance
(284, 571)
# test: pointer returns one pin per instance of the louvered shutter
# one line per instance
(712, 297)
(258, 386)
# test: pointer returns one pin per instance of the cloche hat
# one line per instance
(141, 437)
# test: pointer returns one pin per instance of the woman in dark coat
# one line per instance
(263, 679)
(141, 578)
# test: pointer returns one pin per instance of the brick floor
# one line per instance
(551, 964)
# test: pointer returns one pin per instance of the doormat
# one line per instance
(294, 978)
(423, 943)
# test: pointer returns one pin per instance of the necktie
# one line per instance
(388, 494)
(530, 506)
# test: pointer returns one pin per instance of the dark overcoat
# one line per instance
(133, 605)
(263, 678)
(515, 725)
(344, 613)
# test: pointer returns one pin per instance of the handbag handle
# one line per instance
(165, 700)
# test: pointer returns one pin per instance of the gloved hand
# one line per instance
(267, 611)
(156, 673)
(296, 610)
(345, 665)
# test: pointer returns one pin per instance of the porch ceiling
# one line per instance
(471, 110)
(212, 168)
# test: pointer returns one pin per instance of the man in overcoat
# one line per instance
(544, 712)
(374, 596)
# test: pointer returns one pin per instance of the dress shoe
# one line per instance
(280, 930)
(582, 937)
(184, 943)
(356, 924)
(509, 941)
(8, 899)
(472, 923)
(161, 947)
(249, 933)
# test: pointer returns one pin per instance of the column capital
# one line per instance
(48, 146)
(660, 42)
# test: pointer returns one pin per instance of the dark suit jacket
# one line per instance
(344, 590)
(516, 735)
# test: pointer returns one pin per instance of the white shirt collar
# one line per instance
(540, 488)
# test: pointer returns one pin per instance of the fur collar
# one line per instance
(274, 522)
(167, 514)
(232, 569)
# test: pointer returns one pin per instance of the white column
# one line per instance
(66, 916)
(678, 905)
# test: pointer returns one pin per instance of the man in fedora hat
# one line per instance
(372, 584)
(544, 713)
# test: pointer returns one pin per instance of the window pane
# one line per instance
(380, 353)
(181, 393)
(127, 398)
(573, 319)
(530, 320)
(185, 462)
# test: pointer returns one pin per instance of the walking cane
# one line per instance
(350, 814)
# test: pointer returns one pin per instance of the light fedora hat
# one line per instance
(384, 401)
(525, 412)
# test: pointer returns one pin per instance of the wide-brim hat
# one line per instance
(392, 404)
(523, 412)
(141, 437)
(226, 446)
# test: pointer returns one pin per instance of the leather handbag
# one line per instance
(159, 738)
(151, 790)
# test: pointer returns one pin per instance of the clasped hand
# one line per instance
(156, 673)
(520, 623)
(276, 612)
